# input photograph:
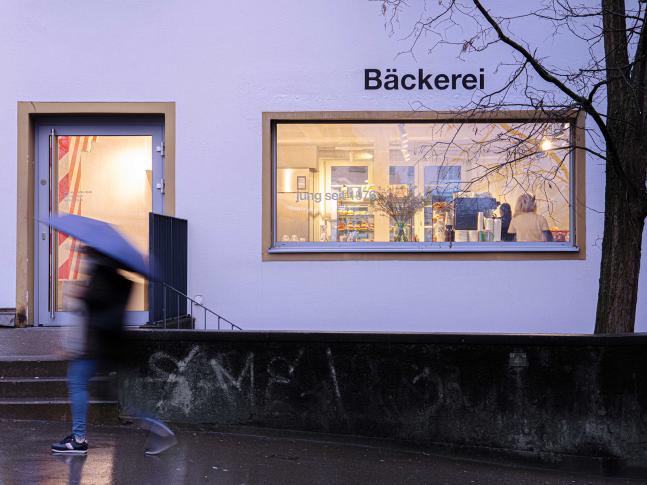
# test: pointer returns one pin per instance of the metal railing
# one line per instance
(179, 296)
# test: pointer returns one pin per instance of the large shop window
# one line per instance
(437, 186)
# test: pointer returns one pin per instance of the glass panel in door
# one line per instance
(107, 178)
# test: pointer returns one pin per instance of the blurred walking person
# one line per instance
(103, 306)
(100, 336)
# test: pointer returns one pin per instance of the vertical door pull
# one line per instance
(53, 240)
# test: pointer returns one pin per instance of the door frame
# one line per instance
(28, 113)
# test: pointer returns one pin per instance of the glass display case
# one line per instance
(355, 222)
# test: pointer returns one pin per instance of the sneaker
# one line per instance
(70, 446)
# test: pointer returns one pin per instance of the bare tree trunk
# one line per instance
(621, 247)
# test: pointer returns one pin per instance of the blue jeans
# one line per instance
(79, 373)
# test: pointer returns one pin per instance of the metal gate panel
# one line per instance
(168, 256)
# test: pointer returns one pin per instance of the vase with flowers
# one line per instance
(401, 204)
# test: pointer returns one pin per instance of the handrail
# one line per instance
(193, 302)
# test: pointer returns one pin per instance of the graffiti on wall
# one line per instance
(241, 386)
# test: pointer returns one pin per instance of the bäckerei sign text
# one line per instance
(392, 80)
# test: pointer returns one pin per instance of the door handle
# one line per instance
(53, 243)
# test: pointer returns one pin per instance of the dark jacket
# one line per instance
(105, 301)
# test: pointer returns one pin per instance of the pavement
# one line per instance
(201, 456)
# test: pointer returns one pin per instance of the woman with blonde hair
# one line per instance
(527, 225)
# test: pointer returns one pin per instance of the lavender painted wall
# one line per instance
(225, 63)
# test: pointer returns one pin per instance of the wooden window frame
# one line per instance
(577, 119)
(28, 113)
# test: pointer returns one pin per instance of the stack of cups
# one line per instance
(497, 230)
(480, 235)
(489, 229)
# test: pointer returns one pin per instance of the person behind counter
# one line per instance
(506, 216)
(527, 225)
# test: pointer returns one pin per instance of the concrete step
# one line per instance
(52, 387)
(33, 341)
(43, 366)
(104, 412)
(35, 387)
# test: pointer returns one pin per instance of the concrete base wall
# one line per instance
(548, 398)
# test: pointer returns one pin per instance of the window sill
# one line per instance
(448, 248)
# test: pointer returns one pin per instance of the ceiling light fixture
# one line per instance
(547, 144)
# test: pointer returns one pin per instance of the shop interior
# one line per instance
(419, 182)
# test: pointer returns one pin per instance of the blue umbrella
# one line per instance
(103, 238)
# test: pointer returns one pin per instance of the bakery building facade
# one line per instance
(327, 183)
